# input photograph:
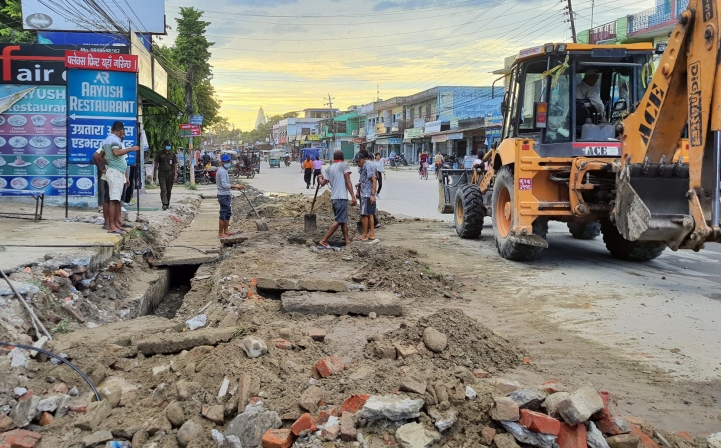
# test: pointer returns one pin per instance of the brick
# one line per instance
(572, 436)
(329, 366)
(405, 351)
(354, 403)
(480, 373)
(641, 424)
(551, 387)
(537, 422)
(605, 412)
(385, 351)
(624, 441)
(278, 438)
(61, 388)
(214, 413)
(310, 397)
(244, 397)
(324, 415)
(317, 334)
(505, 409)
(684, 435)
(348, 433)
(613, 426)
(45, 419)
(488, 434)
(282, 344)
(646, 441)
(304, 422)
(26, 396)
(20, 438)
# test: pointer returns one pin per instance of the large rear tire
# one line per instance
(468, 212)
(584, 231)
(502, 206)
(623, 249)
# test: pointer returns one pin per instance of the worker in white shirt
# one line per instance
(586, 90)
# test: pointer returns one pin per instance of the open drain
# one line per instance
(178, 287)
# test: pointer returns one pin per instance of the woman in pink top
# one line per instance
(317, 165)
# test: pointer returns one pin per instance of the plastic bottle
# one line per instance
(116, 444)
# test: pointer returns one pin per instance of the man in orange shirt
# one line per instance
(307, 168)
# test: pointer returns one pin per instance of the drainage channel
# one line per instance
(178, 286)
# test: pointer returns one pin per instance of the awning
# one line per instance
(150, 98)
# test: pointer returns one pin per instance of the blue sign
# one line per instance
(91, 39)
(196, 119)
(96, 99)
(395, 141)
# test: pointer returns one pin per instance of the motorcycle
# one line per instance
(287, 162)
(398, 161)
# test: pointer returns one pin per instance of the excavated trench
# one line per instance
(176, 287)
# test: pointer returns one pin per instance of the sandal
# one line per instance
(117, 231)
(324, 246)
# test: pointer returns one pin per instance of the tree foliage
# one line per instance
(11, 24)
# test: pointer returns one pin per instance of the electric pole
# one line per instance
(571, 19)
(332, 121)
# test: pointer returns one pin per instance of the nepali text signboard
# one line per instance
(97, 61)
(190, 130)
(96, 99)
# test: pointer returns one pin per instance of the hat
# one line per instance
(225, 158)
(592, 72)
(338, 155)
(167, 143)
(360, 156)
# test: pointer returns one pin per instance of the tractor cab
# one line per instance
(569, 98)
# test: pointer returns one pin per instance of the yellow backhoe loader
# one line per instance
(595, 137)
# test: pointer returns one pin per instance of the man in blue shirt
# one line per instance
(366, 195)
(222, 181)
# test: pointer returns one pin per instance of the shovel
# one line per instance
(260, 223)
(310, 217)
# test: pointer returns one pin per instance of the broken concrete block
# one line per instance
(317, 284)
(506, 386)
(444, 420)
(310, 398)
(413, 383)
(524, 435)
(254, 347)
(714, 440)
(550, 404)
(317, 334)
(580, 405)
(96, 412)
(250, 426)
(391, 407)
(25, 411)
(415, 435)
(169, 343)
(594, 438)
(505, 409)
(49, 404)
(97, 438)
(361, 303)
(528, 398)
(405, 351)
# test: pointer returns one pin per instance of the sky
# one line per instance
(288, 55)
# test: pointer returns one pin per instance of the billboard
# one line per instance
(88, 39)
(143, 16)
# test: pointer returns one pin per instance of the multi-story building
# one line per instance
(320, 113)
(296, 133)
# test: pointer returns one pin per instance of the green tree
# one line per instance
(11, 24)
(192, 51)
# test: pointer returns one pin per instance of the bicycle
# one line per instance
(423, 173)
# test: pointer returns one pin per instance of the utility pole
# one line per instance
(572, 20)
(593, 2)
(332, 121)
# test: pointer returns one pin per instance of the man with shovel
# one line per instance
(338, 175)
(222, 181)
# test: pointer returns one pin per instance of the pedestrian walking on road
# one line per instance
(166, 169)
(367, 195)
(317, 166)
(338, 175)
(307, 168)
(116, 156)
(222, 181)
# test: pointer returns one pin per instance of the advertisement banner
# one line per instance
(432, 126)
(96, 99)
(89, 39)
(101, 61)
(33, 142)
(413, 133)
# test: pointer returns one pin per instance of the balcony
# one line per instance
(656, 21)
(602, 33)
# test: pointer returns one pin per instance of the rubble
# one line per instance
(188, 432)
(254, 347)
(250, 426)
(97, 438)
(434, 340)
(177, 342)
(529, 437)
(580, 405)
(357, 303)
(505, 409)
(391, 407)
(415, 435)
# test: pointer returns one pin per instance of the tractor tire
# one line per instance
(584, 231)
(502, 195)
(623, 249)
(468, 212)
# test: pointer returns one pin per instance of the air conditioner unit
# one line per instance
(354, 133)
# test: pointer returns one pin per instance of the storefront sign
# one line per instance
(439, 138)
(101, 61)
(395, 141)
(455, 136)
(454, 124)
(432, 127)
(190, 130)
(112, 42)
(419, 122)
(96, 99)
(413, 133)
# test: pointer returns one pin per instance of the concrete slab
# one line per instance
(235, 239)
(360, 303)
(177, 342)
(306, 284)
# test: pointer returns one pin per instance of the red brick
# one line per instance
(304, 422)
(282, 344)
(329, 365)
(354, 403)
(61, 388)
(641, 424)
(348, 432)
(45, 419)
(479, 373)
(488, 435)
(323, 416)
(551, 386)
(537, 422)
(278, 438)
(572, 436)
(27, 395)
(646, 441)
(605, 413)
(19, 438)
(684, 435)
(608, 426)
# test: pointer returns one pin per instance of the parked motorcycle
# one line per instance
(398, 161)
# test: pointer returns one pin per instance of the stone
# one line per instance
(415, 435)
(372, 315)
(572, 436)
(20, 438)
(6, 423)
(250, 426)
(641, 424)
(63, 406)
(529, 437)
(537, 422)
(97, 438)
(505, 409)
(405, 351)
(471, 394)
(304, 422)
(25, 412)
(188, 432)
(356, 303)
(385, 351)
(169, 343)
(624, 441)
(480, 373)
(413, 383)
(214, 413)
(550, 404)
(391, 407)
(49, 404)
(282, 344)
(580, 405)
(506, 386)
(317, 334)
(528, 398)
(614, 426)
(714, 440)
(505, 441)
(254, 347)
(310, 398)
(434, 340)
(278, 438)
(46, 419)
(111, 392)
(329, 365)
(488, 434)
(20, 391)
(97, 411)
(187, 389)
(331, 429)
(140, 438)
(594, 438)
(355, 403)
(444, 420)
(159, 424)
(348, 432)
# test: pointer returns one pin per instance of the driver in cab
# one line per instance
(586, 90)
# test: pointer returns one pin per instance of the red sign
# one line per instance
(193, 128)
(101, 61)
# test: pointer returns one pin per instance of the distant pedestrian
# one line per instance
(166, 169)
(381, 170)
(307, 168)
(116, 156)
(366, 195)
(317, 166)
(222, 181)
(338, 175)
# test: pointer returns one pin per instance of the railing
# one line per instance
(650, 18)
(603, 32)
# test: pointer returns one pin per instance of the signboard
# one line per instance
(413, 133)
(96, 99)
(380, 128)
(33, 143)
(439, 138)
(189, 130)
(455, 136)
(101, 61)
(432, 126)
(196, 119)
(148, 16)
(395, 141)
(89, 40)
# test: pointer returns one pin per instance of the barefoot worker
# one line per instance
(338, 175)
(222, 181)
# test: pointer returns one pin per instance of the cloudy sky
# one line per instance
(289, 55)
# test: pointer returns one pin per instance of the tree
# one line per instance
(11, 24)
(193, 53)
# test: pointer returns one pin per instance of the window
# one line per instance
(559, 111)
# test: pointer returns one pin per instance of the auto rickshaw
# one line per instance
(274, 158)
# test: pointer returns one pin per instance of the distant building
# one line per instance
(261, 118)
(320, 113)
